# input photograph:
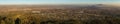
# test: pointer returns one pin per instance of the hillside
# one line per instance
(59, 14)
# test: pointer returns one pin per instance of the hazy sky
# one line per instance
(57, 1)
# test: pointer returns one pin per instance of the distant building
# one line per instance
(35, 11)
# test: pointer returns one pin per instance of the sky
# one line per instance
(58, 1)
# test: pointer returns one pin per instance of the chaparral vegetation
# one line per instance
(59, 14)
